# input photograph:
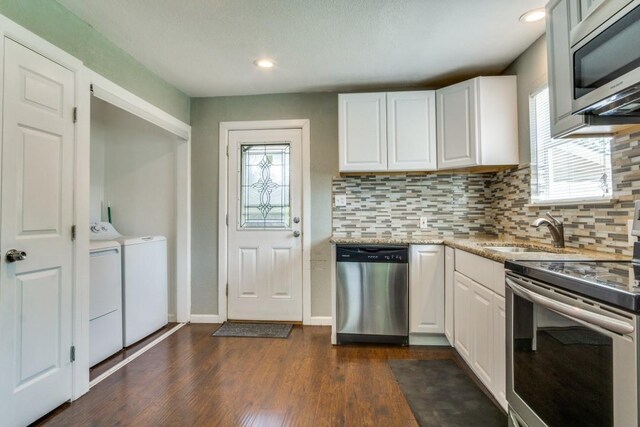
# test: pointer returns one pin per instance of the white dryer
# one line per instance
(144, 284)
(105, 300)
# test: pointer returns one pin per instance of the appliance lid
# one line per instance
(137, 240)
(101, 245)
(615, 283)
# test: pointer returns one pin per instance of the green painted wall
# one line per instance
(54, 23)
(206, 114)
(531, 69)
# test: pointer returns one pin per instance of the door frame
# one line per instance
(223, 193)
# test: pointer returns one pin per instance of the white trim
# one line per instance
(225, 128)
(205, 318)
(135, 355)
(320, 321)
(120, 97)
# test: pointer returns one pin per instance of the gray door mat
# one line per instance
(254, 330)
(440, 393)
(578, 335)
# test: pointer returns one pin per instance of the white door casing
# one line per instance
(37, 216)
(265, 258)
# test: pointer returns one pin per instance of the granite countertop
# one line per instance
(482, 246)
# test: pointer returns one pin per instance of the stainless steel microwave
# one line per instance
(605, 58)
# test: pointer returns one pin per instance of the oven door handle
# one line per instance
(573, 313)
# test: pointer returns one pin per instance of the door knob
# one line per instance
(14, 255)
(296, 233)
(296, 219)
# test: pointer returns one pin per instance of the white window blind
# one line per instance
(572, 169)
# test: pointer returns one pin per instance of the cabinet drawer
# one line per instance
(489, 274)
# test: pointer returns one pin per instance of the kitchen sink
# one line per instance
(516, 249)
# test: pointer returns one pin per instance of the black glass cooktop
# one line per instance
(616, 283)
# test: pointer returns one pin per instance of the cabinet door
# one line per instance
(362, 132)
(411, 131)
(449, 271)
(499, 351)
(456, 129)
(462, 316)
(482, 333)
(562, 15)
(426, 293)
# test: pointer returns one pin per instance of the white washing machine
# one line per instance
(105, 300)
(144, 285)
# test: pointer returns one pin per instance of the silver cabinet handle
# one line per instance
(296, 233)
(14, 255)
(574, 313)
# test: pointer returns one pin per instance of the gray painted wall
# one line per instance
(54, 23)
(531, 69)
(206, 114)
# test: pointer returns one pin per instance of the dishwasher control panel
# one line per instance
(372, 253)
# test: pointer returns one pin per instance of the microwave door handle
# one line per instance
(584, 317)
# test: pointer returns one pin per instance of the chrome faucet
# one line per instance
(555, 227)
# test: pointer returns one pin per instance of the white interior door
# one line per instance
(265, 223)
(37, 214)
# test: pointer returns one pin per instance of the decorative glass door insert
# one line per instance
(265, 201)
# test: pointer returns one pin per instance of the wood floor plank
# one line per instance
(193, 379)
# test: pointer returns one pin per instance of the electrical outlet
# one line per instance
(340, 200)
(424, 222)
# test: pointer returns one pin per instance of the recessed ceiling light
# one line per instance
(533, 15)
(264, 63)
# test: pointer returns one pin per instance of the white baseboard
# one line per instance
(319, 321)
(205, 318)
(172, 318)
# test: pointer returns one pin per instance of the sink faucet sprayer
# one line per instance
(555, 227)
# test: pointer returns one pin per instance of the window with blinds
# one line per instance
(573, 169)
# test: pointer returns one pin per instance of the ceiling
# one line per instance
(207, 47)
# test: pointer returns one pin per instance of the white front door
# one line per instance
(37, 214)
(265, 225)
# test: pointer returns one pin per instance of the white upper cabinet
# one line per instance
(393, 131)
(411, 131)
(362, 132)
(477, 123)
(426, 289)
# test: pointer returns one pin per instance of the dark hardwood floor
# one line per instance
(112, 361)
(193, 379)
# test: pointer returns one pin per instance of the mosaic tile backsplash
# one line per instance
(481, 204)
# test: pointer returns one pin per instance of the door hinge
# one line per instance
(227, 291)
(226, 219)
(73, 233)
(75, 114)
(72, 354)
(227, 151)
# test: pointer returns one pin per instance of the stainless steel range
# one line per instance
(572, 342)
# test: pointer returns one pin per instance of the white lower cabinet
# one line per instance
(500, 351)
(426, 289)
(480, 321)
(449, 271)
(462, 316)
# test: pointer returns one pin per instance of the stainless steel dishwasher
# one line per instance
(372, 294)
